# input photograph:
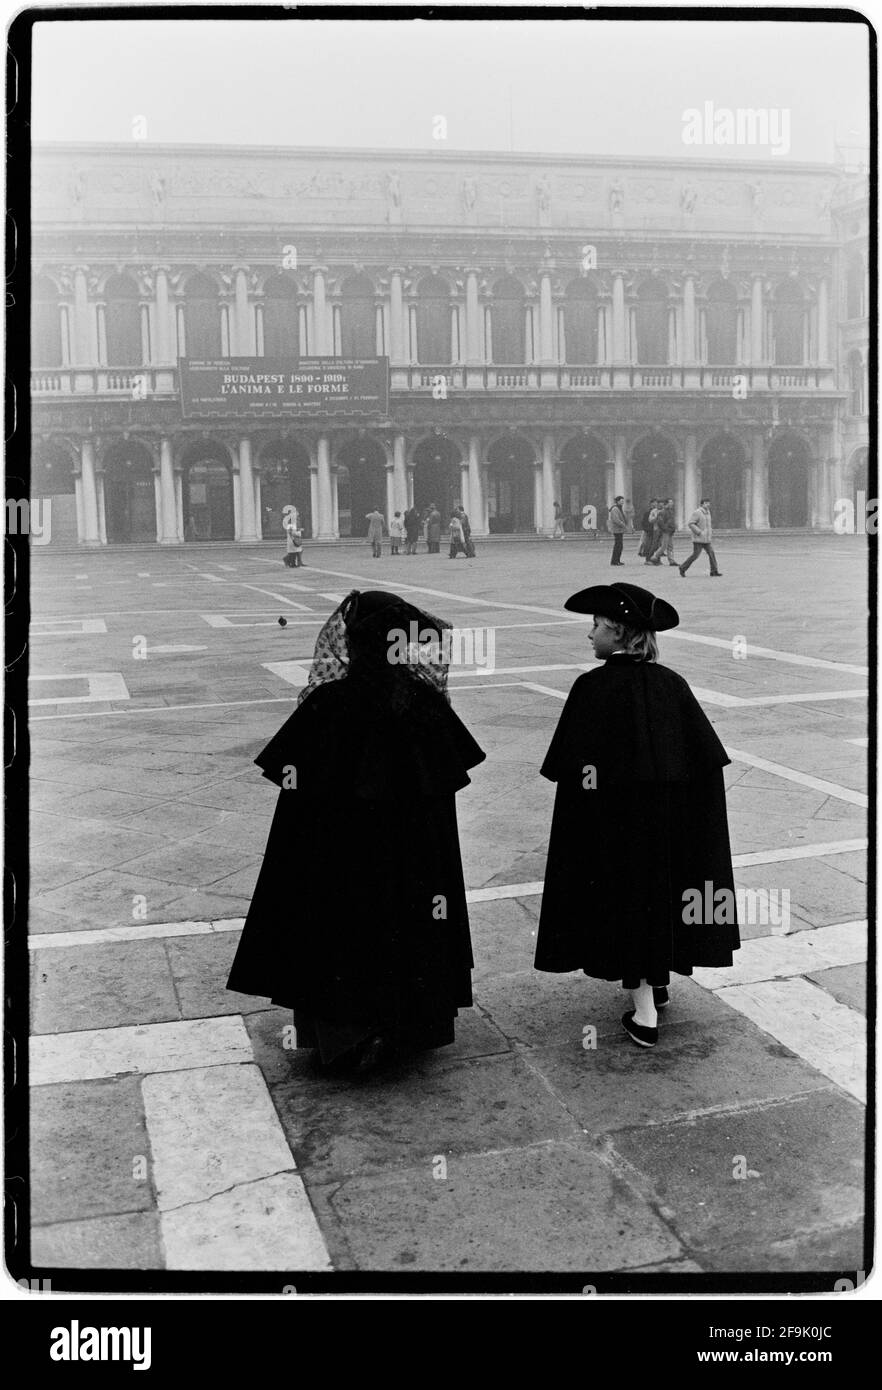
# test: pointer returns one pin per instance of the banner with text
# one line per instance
(264, 386)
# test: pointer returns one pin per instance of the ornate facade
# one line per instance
(558, 329)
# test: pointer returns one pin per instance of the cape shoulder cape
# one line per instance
(632, 721)
(342, 738)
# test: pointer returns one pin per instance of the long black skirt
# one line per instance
(621, 863)
(358, 921)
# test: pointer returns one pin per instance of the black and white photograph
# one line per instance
(486, 924)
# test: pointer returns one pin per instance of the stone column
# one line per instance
(546, 322)
(759, 486)
(691, 482)
(474, 357)
(757, 314)
(399, 474)
(391, 503)
(247, 531)
(162, 347)
(91, 530)
(823, 355)
(102, 513)
(326, 529)
(179, 506)
(157, 503)
(313, 497)
(619, 352)
(477, 501)
(258, 510)
(84, 353)
(168, 533)
(689, 353)
(537, 496)
(243, 337)
(397, 336)
(620, 465)
(547, 521)
(320, 314)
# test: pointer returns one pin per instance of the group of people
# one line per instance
(359, 921)
(405, 529)
(658, 525)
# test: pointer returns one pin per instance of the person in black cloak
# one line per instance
(358, 921)
(639, 828)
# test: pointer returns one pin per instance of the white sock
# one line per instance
(645, 1012)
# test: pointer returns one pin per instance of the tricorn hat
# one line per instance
(625, 603)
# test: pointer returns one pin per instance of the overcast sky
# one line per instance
(579, 87)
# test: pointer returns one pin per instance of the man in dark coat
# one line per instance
(639, 824)
(359, 921)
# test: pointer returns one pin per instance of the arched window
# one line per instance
(721, 317)
(122, 318)
(580, 323)
(507, 322)
(789, 321)
(652, 323)
(45, 325)
(855, 307)
(203, 326)
(359, 317)
(281, 328)
(856, 384)
(433, 320)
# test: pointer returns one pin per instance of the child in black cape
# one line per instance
(376, 959)
(639, 825)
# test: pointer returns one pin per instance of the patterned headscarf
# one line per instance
(426, 662)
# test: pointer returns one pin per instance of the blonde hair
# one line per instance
(636, 641)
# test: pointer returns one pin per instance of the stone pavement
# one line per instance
(174, 1127)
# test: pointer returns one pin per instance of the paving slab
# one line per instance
(543, 1207)
(808, 1157)
(846, 983)
(130, 1241)
(90, 1152)
(264, 1225)
(200, 967)
(338, 1127)
(81, 987)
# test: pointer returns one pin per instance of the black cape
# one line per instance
(359, 921)
(639, 821)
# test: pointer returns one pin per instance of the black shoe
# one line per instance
(370, 1056)
(643, 1037)
(716, 574)
(660, 996)
(682, 571)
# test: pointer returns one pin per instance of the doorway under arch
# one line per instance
(361, 485)
(208, 494)
(284, 482)
(583, 464)
(654, 470)
(789, 467)
(436, 475)
(510, 486)
(129, 494)
(722, 466)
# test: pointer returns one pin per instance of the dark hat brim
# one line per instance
(625, 603)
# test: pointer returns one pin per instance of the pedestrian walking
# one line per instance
(558, 534)
(639, 826)
(457, 539)
(647, 525)
(396, 531)
(369, 963)
(433, 530)
(617, 525)
(666, 526)
(293, 546)
(375, 522)
(411, 530)
(702, 531)
(466, 533)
